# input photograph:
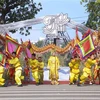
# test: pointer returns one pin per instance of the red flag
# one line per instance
(77, 39)
(86, 34)
(29, 45)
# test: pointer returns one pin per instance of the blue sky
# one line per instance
(72, 7)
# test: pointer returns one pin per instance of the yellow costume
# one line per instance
(87, 69)
(34, 66)
(2, 80)
(74, 70)
(96, 72)
(41, 76)
(53, 66)
(18, 69)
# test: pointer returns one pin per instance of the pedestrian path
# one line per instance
(50, 92)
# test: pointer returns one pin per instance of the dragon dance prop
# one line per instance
(11, 45)
(50, 47)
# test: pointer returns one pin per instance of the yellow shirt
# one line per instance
(16, 63)
(53, 62)
(74, 63)
(89, 63)
(33, 64)
(53, 65)
(1, 69)
(71, 63)
(40, 66)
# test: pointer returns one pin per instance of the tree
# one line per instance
(93, 8)
(39, 43)
(18, 10)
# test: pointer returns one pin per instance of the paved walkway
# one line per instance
(50, 92)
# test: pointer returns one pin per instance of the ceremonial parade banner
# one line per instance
(86, 46)
(12, 46)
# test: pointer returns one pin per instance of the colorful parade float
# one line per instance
(55, 28)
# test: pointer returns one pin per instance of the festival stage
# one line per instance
(63, 77)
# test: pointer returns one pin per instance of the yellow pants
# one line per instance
(73, 77)
(2, 80)
(74, 74)
(18, 77)
(54, 76)
(35, 75)
(41, 76)
(85, 75)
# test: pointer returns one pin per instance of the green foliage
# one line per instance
(18, 10)
(61, 59)
(67, 58)
(93, 8)
(46, 57)
(39, 43)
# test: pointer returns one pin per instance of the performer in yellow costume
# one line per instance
(33, 62)
(96, 71)
(74, 69)
(2, 80)
(53, 66)
(18, 69)
(87, 69)
(40, 69)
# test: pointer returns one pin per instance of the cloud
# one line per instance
(41, 38)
